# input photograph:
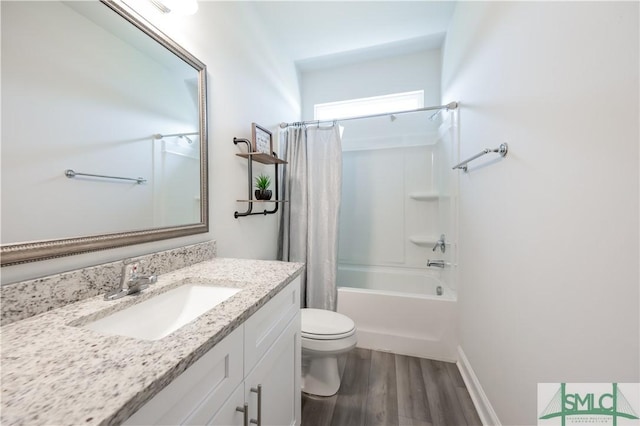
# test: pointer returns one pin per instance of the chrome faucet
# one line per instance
(130, 281)
(440, 243)
(436, 263)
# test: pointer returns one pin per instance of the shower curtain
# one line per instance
(312, 182)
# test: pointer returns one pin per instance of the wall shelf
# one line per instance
(261, 157)
(424, 195)
(264, 159)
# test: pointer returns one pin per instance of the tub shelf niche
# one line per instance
(424, 195)
(424, 240)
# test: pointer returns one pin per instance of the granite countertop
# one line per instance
(54, 372)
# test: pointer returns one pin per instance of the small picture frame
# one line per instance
(261, 140)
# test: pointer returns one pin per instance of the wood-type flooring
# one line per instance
(384, 389)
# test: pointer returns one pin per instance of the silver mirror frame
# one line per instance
(32, 251)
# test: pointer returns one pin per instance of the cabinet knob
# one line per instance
(258, 421)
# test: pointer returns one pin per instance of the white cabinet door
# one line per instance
(278, 376)
(198, 393)
(229, 414)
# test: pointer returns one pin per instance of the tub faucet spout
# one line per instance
(435, 263)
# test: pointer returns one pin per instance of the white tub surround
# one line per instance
(55, 372)
(28, 298)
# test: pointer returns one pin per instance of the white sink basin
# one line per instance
(163, 314)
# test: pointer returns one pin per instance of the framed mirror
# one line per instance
(104, 131)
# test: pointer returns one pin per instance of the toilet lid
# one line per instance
(324, 325)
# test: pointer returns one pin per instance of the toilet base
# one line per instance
(321, 377)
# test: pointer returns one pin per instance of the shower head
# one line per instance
(159, 136)
(187, 138)
(435, 115)
(392, 117)
(447, 107)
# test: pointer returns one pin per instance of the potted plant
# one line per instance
(262, 183)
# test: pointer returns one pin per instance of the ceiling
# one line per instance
(320, 33)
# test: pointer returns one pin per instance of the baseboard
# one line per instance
(479, 398)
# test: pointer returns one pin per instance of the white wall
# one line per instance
(249, 80)
(549, 284)
(394, 74)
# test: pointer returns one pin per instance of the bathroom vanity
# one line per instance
(237, 363)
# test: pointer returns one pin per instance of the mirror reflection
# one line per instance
(100, 97)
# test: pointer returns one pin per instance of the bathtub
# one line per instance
(399, 311)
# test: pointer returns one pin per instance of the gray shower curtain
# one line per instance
(311, 182)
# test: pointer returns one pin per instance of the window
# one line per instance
(368, 106)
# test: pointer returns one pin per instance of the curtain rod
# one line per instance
(449, 106)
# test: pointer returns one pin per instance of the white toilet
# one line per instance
(325, 335)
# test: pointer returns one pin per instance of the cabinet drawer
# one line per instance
(199, 392)
(263, 327)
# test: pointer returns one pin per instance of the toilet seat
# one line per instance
(329, 346)
(328, 336)
(319, 324)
